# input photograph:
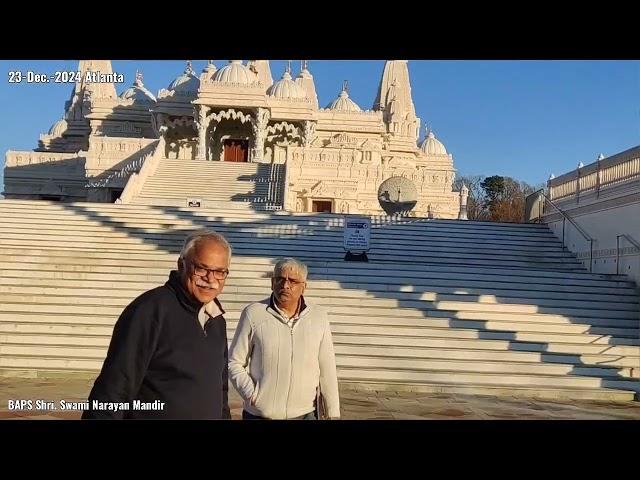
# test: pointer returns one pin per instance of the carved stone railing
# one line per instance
(137, 180)
(131, 168)
(604, 174)
(21, 159)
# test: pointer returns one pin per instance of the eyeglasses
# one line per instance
(283, 280)
(200, 271)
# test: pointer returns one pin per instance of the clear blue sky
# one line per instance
(523, 119)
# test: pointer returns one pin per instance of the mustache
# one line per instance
(204, 284)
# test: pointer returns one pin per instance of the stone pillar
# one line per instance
(464, 195)
(308, 133)
(259, 126)
(202, 124)
(158, 124)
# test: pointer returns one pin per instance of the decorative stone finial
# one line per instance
(210, 68)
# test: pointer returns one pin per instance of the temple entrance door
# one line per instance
(236, 150)
(321, 206)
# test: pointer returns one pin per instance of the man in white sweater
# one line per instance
(282, 351)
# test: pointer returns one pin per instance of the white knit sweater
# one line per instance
(276, 368)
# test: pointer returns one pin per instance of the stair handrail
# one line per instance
(566, 216)
(630, 239)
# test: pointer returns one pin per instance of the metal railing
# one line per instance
(630, 240)
(534, 199)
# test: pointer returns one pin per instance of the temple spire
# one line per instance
(394, 99)
(305, 80)
(262, 71)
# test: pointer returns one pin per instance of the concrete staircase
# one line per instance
(256, 185)
(442, 305)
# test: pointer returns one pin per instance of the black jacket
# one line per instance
(159, 351)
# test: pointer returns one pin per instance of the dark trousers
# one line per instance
(248, 416)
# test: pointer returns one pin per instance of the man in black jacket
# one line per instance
(168, 353)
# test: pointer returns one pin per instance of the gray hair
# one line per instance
(203, 235)
(290, 263)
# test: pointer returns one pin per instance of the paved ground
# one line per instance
(355, 405)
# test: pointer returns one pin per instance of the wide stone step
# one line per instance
(48, 284)
(531, 391)
(471, 378)
(33, 341)
(409, 318)
(228, 195)
(347, 272)
(312, 236)
(89, 222)
(402, 225)
(267, 240)
(417, 308)
(166, 172)
(277, 241)
(241, 237)
(352, 354)
(353, 326)
(459, 341)
(257, 275)
(440, 359)
(178, 182)
(195, 217)
(376, 306)
(406, 222)
(473, 314)
(13, 280)
(480, 366)
(514, 328)
(28, 365)
(579, 376)
(428, 335)
(284, 248)
(331, 222)
(278, 245)
(177, 233)
(90, 358)
(60, 331)
(176, 202)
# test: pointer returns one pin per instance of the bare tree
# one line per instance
(495, 198)
(505, 198)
